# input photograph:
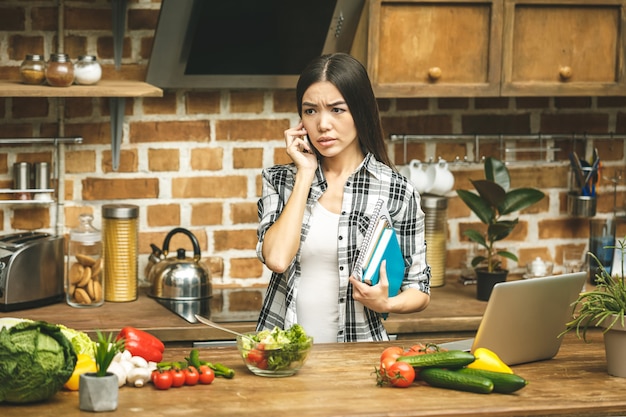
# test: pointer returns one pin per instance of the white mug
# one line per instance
(417, 175)
(439, 178)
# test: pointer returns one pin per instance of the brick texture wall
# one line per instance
(192, 158)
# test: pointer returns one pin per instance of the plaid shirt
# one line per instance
(370, 182)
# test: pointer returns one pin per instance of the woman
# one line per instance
(314, 212)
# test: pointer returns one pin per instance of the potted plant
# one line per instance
(605, 306)
(492, 200)
(98, 391)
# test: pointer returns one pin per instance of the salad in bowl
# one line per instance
(275, 353)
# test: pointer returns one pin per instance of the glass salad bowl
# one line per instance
(276, 353)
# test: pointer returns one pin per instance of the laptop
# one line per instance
(524, 318)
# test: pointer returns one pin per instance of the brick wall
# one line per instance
(193, 158)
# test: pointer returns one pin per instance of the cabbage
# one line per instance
(10, 321)
(80, 341)
(36, 359)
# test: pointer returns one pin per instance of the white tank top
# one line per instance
(317, 299)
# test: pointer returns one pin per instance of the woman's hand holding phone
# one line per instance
(299, 148)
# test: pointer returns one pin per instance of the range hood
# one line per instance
(210, 44)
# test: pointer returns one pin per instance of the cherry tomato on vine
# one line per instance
(206, 374)
(162, 380)
(386, 363)
(178, 377)
(401, 375)
(191, 375)
(392, 352)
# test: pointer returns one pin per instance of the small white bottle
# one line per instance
(87, 70)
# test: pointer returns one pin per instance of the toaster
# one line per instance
(31, 270)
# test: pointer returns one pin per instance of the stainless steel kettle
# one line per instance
(180, 283)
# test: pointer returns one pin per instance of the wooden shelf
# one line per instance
(104, 88)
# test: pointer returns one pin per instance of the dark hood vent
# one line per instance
(211, 44)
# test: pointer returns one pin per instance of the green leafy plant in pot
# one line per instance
(98, 391)
(493, 200)
(605, 306)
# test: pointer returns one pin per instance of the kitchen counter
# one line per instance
(453, 310)
(337, 380)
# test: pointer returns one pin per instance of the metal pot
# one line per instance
(180, 283)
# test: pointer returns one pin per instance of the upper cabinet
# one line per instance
(563, 48)
(435, 48)
(496, 47)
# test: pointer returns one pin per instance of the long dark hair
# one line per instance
(351, 79)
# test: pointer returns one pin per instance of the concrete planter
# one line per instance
(614, 347)
(98, 393)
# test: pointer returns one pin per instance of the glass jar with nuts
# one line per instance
(84, 284)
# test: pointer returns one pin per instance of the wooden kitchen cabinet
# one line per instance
(435, 48)
(568, 47)
(467, 48)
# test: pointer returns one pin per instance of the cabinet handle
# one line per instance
(565, 72)
(434, 73)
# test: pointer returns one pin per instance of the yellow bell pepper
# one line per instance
(84, 363)
(489, 361)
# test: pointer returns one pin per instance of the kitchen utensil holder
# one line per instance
(581, 205)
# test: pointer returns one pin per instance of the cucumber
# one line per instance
(445, 378)
(448, 359)
(503, 383)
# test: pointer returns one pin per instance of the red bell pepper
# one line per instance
(140, 343)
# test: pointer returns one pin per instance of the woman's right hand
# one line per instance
(300, 149)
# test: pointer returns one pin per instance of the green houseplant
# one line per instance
(493, 200)
(605, 306)
(98, 391)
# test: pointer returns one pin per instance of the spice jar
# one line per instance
(87, 70)
(84, 284)
(60, 71)
(33, 70)
(21, 180)
(120, 238)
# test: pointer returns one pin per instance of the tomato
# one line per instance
(191, 375)
(418, 348)
(401, 375)
(262, 364)
(421, 349)
(178, 377)
(254, 357)
(392, 352)
(386, 363)
(162, 380)
(207, 375)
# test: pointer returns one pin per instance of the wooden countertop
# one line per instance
(337, 380)
(453, 309)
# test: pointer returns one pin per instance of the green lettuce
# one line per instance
(36, 359)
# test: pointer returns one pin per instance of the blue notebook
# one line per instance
(380, 243)
(387, 249)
